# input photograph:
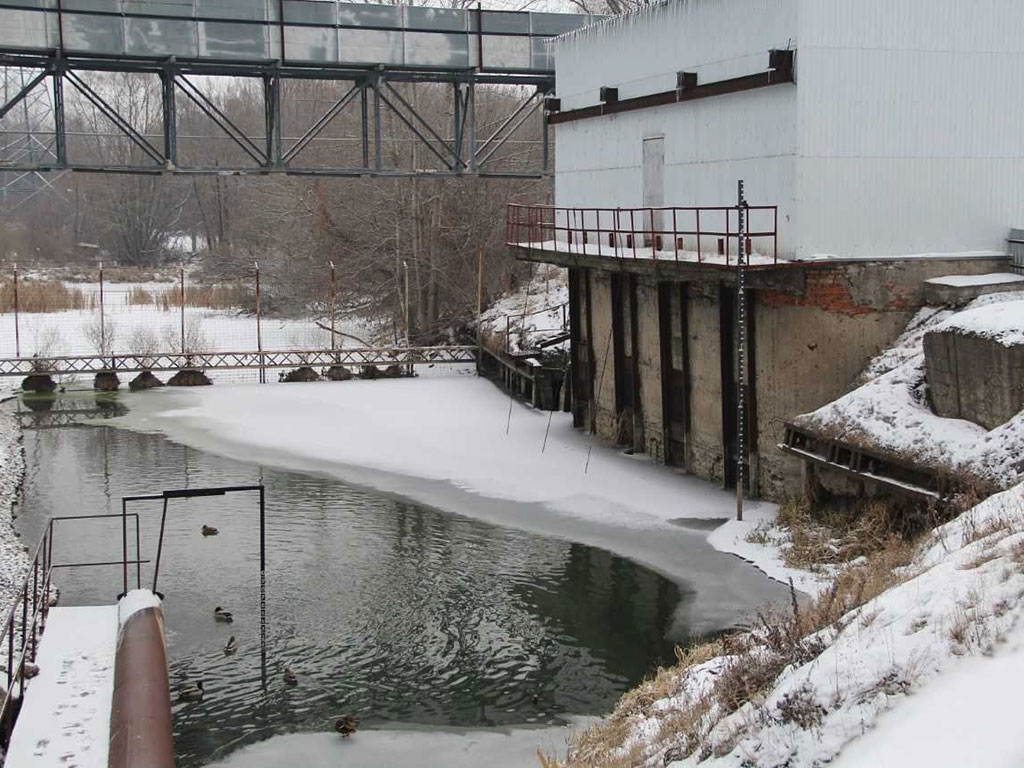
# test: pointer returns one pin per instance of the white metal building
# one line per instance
(902, 133)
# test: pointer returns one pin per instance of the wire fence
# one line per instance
(48, 312)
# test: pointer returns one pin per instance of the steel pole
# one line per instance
(182, 298)
(17, 329)
(331, 303)
(479, 307)
(741, 349)
(103, 324)
(259, 325)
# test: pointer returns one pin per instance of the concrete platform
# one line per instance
(957, 290)
(65, 720)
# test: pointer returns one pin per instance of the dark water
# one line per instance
(398, 611)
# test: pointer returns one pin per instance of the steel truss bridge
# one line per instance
(369, 50)
(259, 360)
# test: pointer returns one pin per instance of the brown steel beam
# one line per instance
(677, 96)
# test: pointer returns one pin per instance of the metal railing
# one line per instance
(251, 360)
(701, 234)
(27, 617)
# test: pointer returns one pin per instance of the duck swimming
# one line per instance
(290, 677)
(209, 530)
(221, 615)
(231, 646)
(191, 692)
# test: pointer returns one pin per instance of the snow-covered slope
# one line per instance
(889, 411)
(537, 309)
(948, 629)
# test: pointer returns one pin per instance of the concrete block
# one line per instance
(973, 378)
(958, 290)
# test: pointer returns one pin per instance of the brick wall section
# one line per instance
(843, 291)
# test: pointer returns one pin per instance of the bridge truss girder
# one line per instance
(456, 147)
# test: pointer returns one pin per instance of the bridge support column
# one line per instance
(106, 381)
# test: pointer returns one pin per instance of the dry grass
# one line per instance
(751, 662)
(213, 296)
(139, 296)
(40, 296)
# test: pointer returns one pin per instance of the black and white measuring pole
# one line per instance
(741, 349)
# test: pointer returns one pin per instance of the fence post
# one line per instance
(330, 300)
(17, 330)
(259, 325)
(479, 308)
(103, 319)
(181, 296)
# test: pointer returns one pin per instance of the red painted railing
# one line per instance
(705, 234)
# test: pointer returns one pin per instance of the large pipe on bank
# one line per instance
(140, 714)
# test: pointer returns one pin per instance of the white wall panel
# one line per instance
(910, 118)
(640, 53)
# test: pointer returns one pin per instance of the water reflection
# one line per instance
(398, 611)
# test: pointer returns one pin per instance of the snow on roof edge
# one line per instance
(602, 23)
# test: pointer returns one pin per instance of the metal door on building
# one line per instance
(654, 188)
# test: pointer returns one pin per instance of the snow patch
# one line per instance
(961, 281)
(135, 601)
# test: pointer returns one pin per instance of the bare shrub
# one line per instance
(194, 339)
(143, 341)
(100, 332)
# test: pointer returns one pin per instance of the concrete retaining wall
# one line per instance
(814, 332)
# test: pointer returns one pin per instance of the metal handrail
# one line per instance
(42, 565)
(627, 230)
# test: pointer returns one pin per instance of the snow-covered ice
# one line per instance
(406, 746)
(442, 441)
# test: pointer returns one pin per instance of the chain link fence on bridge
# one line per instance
(62, 312)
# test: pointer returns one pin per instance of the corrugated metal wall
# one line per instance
(710, 143)
(910, 125)
(902, 136)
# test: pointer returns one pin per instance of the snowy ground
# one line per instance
(889, 411)
(536, 310)
(14, 561)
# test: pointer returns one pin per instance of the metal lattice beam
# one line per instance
(450, 138)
